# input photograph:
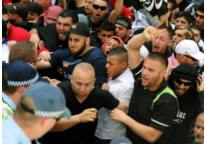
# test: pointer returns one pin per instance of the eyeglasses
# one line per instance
(99, 7)
(180, 82)
(198, 15)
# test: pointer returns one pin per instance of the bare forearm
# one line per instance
(43, 64)
(64, 124)
(116, 11)
(146, 132)
(118, 7)
(136, 42)
(134, 46)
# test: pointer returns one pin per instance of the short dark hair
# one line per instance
(107, 26)
(200, 7)
(184, 14)
(193, 26)
(124, 21)
(119, 51)
(168, 29)
(160, 57)
(70, 13)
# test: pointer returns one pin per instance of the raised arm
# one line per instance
(135, 43)
(116, 11)
(34, 37)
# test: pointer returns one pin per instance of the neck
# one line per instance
(15, 97)
(155, 86)
(94, 21)
(117, 75)
(80, 98)
(85, 51)
(28, 129)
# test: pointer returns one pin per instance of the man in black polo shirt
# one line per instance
(153, 104)
(84, 100)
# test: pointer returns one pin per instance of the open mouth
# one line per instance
(98, 15)
(156, 48)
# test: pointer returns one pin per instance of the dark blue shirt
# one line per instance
(94, 56)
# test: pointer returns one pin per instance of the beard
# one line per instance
(199, 140)
(81, 50)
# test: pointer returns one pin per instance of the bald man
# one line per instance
(199, 129)
(83, 100)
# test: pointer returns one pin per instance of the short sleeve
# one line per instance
(58, 56)
(107, 99)
(164, 111)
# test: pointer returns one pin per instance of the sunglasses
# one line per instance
(180, 82)
(198, 15)
(99, 7)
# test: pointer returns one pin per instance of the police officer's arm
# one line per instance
(135, 43)
(116, 11)
(88, 115)
(146, 132)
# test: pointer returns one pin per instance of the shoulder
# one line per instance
(64, 85)
(94, 55)
(95, 51)
(166, 97)
(100, 92)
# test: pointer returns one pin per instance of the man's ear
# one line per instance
(123, 64)
(21, 89)
(128, 32)
(170, 44)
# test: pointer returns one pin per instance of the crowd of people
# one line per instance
(102, 72)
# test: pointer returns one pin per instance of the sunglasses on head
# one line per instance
(198, 15)
(99, 7)
(180, 82)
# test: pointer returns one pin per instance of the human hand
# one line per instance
(200, 83)
(45, 55)
(88, 115)
(149, 33)
(118, 115)
(53, 82)
(105, 86)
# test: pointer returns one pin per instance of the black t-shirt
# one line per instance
(154, 7)
(94, 56)
(181, 131)
(50, 38)
(164, 110)
(82, 133)
(95, 41)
